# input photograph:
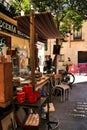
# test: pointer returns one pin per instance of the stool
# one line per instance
(62, 87)
(66, 91)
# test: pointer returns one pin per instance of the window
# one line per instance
(45, 47)
(61, 58)
(77, 35)
(82, 56)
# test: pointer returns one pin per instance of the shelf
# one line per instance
(37, 104)
(32, 120)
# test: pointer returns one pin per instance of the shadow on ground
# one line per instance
(71, 114)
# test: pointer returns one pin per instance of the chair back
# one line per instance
(57, 79)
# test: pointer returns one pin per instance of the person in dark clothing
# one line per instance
(49, 62)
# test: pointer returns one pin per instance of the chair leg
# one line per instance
(69, 93)
(64, 95)
(60, 93)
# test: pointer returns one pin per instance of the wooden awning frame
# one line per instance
(45, 27)
(39, 27)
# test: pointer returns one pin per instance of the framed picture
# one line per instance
(8, 122)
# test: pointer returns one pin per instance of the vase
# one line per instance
(4, 50)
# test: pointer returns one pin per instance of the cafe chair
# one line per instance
(51, 123)
(47, 109)
(59, 88)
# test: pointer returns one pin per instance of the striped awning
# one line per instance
(45, 27)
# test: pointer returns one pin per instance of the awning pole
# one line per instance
(32, 48)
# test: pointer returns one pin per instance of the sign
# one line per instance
(4, 25)
(10, 28)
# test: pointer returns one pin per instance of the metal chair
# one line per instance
(63, 88)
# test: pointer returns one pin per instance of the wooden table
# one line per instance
(39, 84)
(44, 80)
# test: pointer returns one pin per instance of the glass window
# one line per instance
(77, 35)
(61, 58)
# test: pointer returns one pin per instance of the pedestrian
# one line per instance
(68, 63)
(49, 62)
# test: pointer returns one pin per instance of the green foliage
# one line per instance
(19, 5)
(72, 20)
(66, 13)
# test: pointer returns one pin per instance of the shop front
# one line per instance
(13, 40)
(19, 39)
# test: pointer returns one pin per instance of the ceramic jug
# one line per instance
(4, 50)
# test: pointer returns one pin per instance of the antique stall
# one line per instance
(39, 27)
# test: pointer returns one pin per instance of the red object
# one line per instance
(28, 89)
(20, 97)
(32, 98)
(38, 94)
(10, 52)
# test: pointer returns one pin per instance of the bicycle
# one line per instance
(67, 77)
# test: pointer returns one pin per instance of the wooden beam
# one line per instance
(3, 16)
(32, 48)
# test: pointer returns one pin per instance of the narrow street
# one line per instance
(72, 114)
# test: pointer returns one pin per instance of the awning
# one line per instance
(45, 27)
